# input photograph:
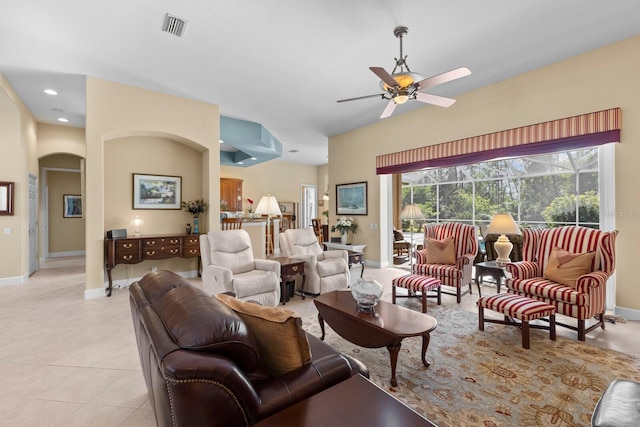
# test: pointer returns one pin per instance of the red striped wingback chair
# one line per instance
(465, 242)
(587, 300)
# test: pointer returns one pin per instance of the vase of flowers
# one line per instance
(250, 209)
(345, 225)
(195, 208)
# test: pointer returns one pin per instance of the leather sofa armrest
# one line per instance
(327, 368)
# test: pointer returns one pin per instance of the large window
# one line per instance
(546, 190)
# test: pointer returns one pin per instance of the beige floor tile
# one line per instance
(98, 416)
(140, 418)
(128, 391)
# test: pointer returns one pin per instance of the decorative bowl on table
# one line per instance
(367, 293)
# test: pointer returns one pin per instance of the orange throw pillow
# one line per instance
(565, 268)
(440, 251)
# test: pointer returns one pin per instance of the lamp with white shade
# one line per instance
(268, 205)
(410, 213)
(503, 224)
(137, 222)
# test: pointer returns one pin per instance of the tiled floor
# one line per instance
(66, 361)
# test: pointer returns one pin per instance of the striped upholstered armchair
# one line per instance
(456, 272)
(581, 298)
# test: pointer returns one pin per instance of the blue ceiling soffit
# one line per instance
(250, 140)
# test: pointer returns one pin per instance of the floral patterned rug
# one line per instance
(485, 378)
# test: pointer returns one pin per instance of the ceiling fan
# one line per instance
(402, 85)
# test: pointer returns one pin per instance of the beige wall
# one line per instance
(116, 111)
(153, 156)
(18, 139)
(280, 179)
(53, 139)
(65, 234)
(602, 79)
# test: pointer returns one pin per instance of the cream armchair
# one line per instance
(228, 266)
(326, 271)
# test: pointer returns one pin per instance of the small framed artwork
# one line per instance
(72, 206)
(157, 192)
(6, 198)
(351, 199)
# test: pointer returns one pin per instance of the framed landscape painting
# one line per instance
(157, 192)
(351, 199)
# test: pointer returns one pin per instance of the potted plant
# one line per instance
(195, 208)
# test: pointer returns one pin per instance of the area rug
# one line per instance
(485, 378)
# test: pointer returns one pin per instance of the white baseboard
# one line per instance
(376, 264)
(125, 283)
(68, 253)
(627, 313)
(17, 280)
(94, 293)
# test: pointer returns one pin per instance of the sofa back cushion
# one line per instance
(303, 241)
(196, 321)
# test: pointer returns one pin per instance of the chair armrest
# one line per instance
(523, 270)
(421, 256)
(337, 254)
(466, 259)
(217, 279)
(267, 265)
(587, 282)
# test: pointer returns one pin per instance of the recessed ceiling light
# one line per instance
(50, 92)
(221, 142)
(63, 120)
(254, 158)
(241, 163)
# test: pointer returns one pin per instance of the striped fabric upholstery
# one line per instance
(465, 242)
(416, 283)
(588, 298)
(519, 307)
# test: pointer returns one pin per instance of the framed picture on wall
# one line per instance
(6, 198)
(351, 199)
(72, 206)
(157, 192)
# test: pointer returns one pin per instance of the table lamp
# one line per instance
(503, 224)
(268, 205)
(137, 222)
(411, 212)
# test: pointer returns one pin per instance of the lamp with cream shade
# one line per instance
(411, 212)
(503, 224)
(268, 205)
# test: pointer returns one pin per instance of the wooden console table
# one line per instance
(133, 250)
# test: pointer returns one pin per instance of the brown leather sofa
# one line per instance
(202, 366)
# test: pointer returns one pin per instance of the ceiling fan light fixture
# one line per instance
(401, 99)
(404, 80)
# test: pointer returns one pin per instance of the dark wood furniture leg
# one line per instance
(426, 338)
(321, 321)
(394, 349)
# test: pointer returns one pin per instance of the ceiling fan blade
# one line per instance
(443, 78)
(440, 101)
(361, 97)
(389, 110)
(384, 76)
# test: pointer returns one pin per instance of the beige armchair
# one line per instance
(228, 266)
(326, 271)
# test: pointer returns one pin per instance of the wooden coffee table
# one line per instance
(386, 326)
(353, 402)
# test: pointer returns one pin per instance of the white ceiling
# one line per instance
(284, 63)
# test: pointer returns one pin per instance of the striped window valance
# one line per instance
(571, 133)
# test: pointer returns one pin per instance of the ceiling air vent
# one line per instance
(174, 25)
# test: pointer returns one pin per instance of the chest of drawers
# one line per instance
(132, 250)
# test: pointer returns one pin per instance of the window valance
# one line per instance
(586, 130)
